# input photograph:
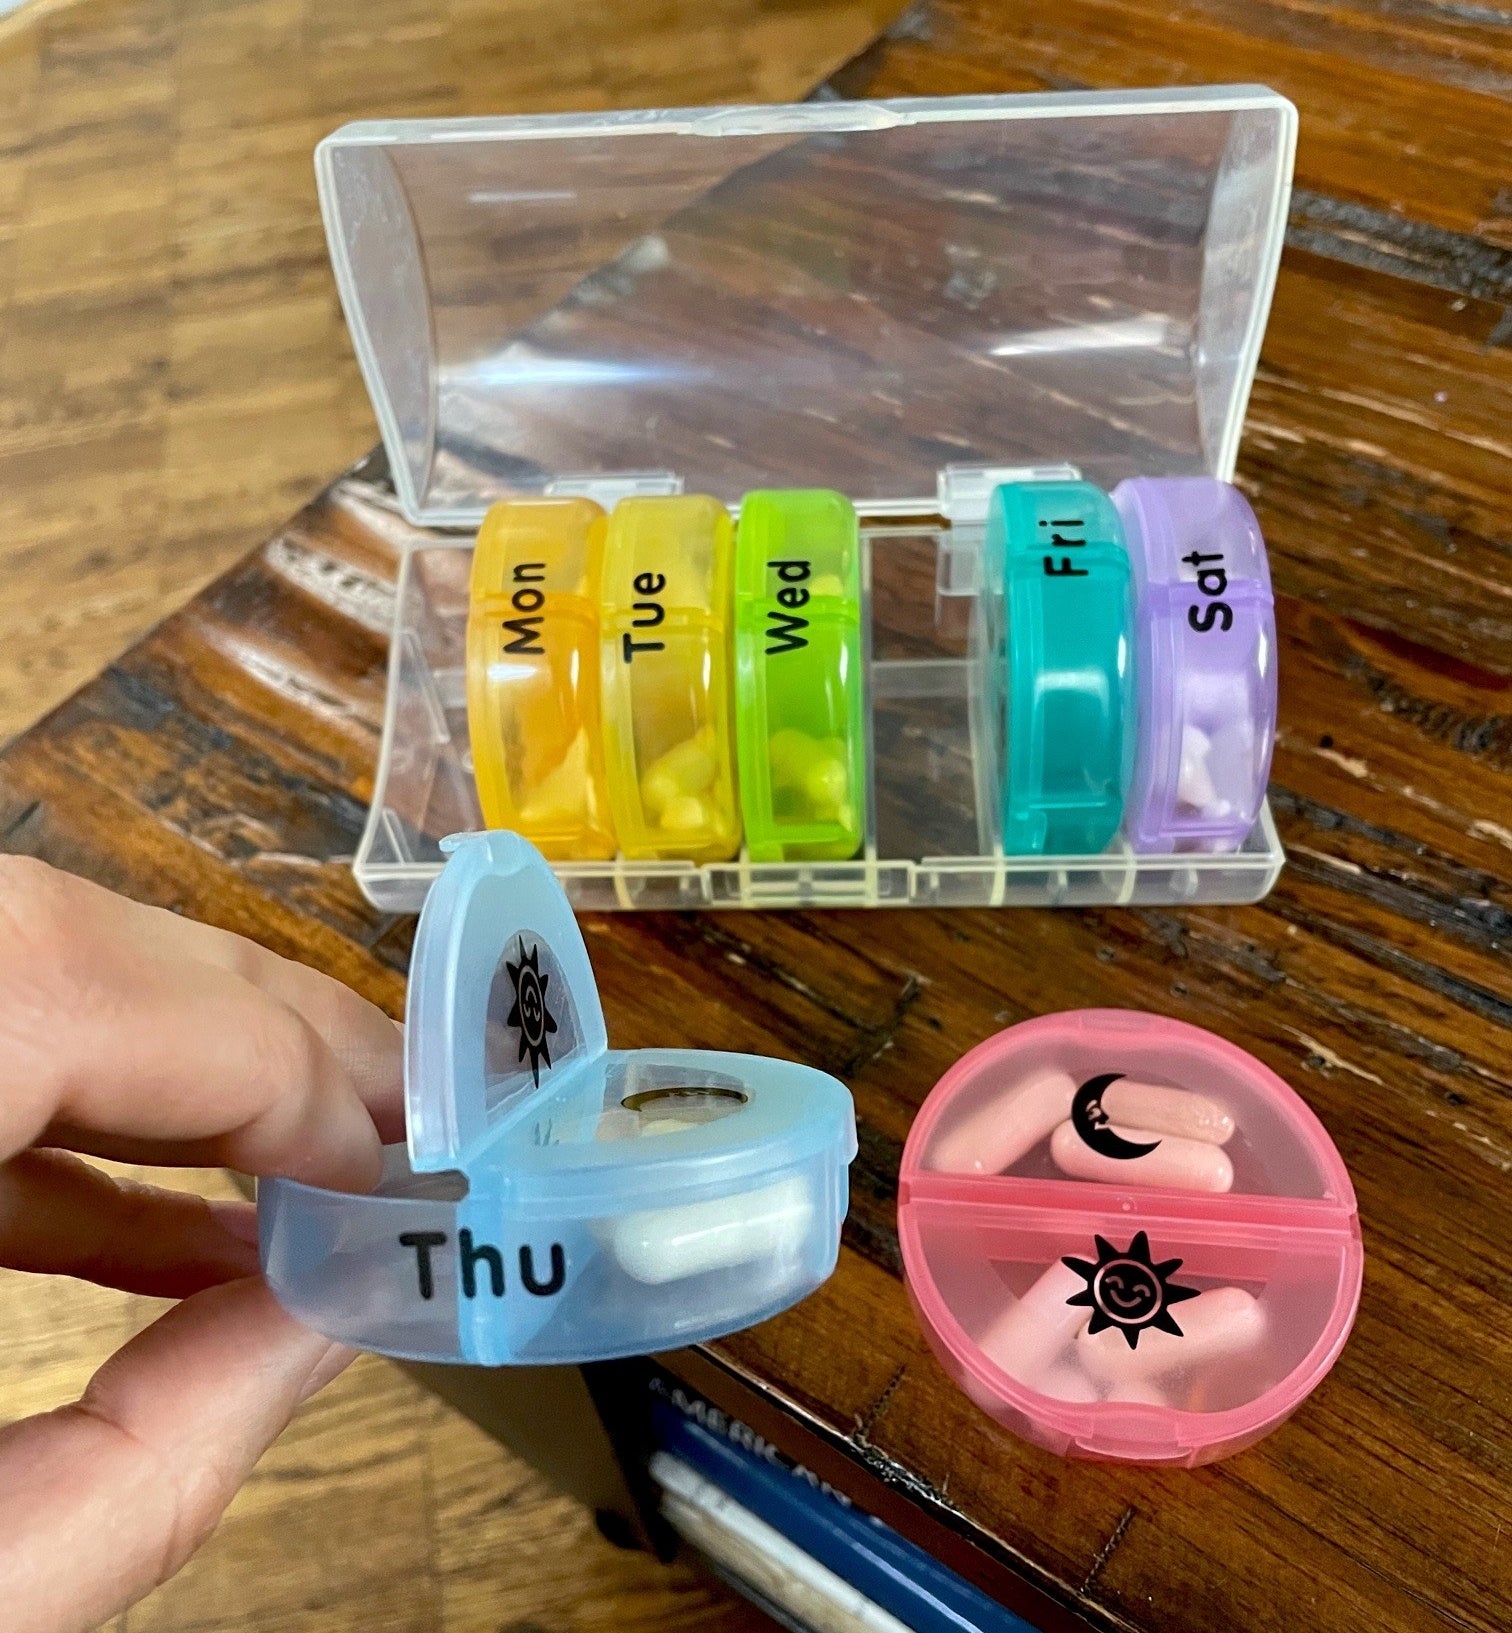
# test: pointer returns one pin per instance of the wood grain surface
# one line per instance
(222, 765)
(175, 376)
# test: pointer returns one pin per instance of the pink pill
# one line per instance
(1167, 1111)
(1137, 1391)
(1184, 1165)
(1216, 1325)
(1067, 1383)
(995, 1136)
(1028, 1336)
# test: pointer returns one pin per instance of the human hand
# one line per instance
(127, 1032)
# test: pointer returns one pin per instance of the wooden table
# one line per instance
(222, 767)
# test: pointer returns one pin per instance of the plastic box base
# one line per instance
(933, 821)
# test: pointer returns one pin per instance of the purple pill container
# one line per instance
(1205, 633)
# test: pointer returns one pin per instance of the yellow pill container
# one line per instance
(665, 677)
(533, 675)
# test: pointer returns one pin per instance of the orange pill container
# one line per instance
(533, 675)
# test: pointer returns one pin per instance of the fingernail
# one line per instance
(238, 1219)
(331, 1365)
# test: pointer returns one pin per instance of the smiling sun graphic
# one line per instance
(530, 1014)
(1127, 1290)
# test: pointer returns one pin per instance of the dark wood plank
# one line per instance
(1403, 107)
(221, 764)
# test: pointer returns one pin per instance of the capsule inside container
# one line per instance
(1067, 666)
(665, 678)
(533, 675)
(1206, 660)
(799, 714)
(1086, 1306)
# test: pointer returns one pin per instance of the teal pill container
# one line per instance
(1067, 666)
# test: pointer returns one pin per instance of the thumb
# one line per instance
(102, 1500)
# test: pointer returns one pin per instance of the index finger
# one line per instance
(366, 1042)
(132, 1044)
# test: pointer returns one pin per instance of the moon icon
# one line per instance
(1091, 1122)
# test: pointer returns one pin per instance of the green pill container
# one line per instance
(1067, 675)
(800, 724)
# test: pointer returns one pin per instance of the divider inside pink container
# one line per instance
(1133, 1204)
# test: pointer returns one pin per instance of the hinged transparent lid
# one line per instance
(839, 295)
(508, 1064)
(501, 991)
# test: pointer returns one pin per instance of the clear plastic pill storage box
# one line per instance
(777, 636)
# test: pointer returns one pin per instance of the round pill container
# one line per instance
(1127, 1239)
(559, 1201)
(1067, 666)
(799, 717)
(533, 675)
(665, 673)
(1205, 657)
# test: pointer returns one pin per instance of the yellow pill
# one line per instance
(826, 785)
(789, 753)
(690, 764)
(658, 789)
(563, 792)
(686, 814)
(827, 584)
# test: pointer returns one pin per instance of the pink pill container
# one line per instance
(1127, 1239)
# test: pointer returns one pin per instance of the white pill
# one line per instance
(997, 1134)
(620, 1123)
(1183, 1165)
(1194, 784)
(666, 1244)
(664, 1125)
(1215, 1326)
(1167, 1111)
(1031, 1333)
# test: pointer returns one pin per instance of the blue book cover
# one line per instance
(895, 1574)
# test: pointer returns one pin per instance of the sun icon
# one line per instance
(530, 1014)
(1128, 1290)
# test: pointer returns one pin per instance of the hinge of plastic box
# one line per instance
(964, 490)
(607, 488)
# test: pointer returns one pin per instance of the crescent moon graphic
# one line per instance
(1091, 1122)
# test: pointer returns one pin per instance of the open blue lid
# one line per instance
(501, 993)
